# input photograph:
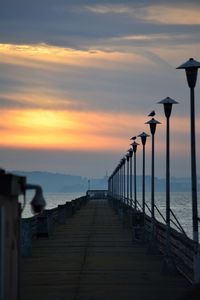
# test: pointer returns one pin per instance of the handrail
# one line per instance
(182, 247)
(177, 225)
(148, 207)
(160, 213)
(139, 204)
(180, 227)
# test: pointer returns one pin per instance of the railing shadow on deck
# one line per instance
(182, 247)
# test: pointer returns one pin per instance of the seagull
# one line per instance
(133, 138)
(152, 114)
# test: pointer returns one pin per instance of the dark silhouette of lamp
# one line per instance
(143, 137)
(168, 103)
(191, 68)
(134, 146)
(153, 124)
(131, 176)
(127, 177)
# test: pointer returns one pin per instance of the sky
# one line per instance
(78, 79)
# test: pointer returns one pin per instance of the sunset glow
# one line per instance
(83, 78)
(40, 55)
(63, 130)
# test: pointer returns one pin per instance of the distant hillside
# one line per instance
(55, 182)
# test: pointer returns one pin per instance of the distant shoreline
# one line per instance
(57, 182)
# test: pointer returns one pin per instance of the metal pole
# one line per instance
(135, 182)
(196, 262)
(191, 68)
(193, 170)
(152, 180)
(131, 181)
(167, 186)
(143, 181)
(120, 184)
(112, 186)
(124, 181)
(127, 181)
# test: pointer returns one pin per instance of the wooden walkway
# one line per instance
(92, 257)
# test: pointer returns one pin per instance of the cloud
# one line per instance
(86, 24)
(81, 76)
(172, 15)
(152, 13)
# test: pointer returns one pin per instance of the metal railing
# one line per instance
(182, 247)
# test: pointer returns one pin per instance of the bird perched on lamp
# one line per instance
(152, 114)
(133, 138)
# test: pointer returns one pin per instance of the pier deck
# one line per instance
(92, 257)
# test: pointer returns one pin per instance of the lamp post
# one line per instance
(168, 103)
(152, 124)
(131, 176)
(134, 146)
(143, 137)
(121, 180)
(127, 177)
(124, 180)
(191, 68)
(118, 183)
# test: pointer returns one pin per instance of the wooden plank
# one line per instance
(92, 257)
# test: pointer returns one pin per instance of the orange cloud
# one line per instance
(83, 131)
(65, 129)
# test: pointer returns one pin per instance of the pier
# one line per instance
(93, 254)
(97, 246)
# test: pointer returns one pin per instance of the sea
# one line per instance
(181, 205)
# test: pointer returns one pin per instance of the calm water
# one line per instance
(180, 204)
(52, 200)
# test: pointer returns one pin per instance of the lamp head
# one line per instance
(153, 123)
(134, 146)
(143, 137)
(167, 103)
(191, 68)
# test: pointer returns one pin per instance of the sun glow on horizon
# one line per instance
(46, 129)
(75, 130)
